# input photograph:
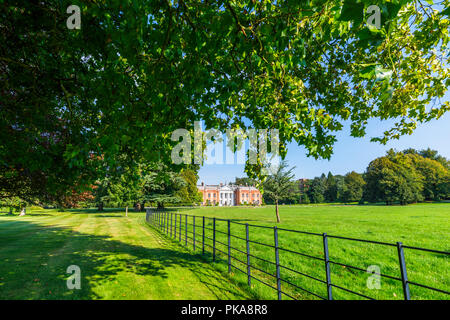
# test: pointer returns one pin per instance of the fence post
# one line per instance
(193, 233)
(249, 277)
(229, 246)
(185, 229)
(277, 262)
(203, 236)
(327, 266)
(175, 227)
(401, 258)
(179, 230)
(214, 239)
(171, 224)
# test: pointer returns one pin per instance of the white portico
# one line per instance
(226, 196)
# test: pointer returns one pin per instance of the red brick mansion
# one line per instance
(229, 195)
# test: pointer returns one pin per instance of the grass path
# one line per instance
(120, 258)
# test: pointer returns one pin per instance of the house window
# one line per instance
(209, 195)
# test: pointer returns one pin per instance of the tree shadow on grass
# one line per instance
(34, 266)
(210, 276)
(95, 211)
(109, 216)
(29, 214)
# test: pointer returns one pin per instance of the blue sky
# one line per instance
(349, 153)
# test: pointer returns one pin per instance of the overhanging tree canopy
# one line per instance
(136, 71)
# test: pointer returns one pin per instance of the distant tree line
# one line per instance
(398, 177)
(152, 184)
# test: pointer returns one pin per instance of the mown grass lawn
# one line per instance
(123, 258)
(421, 225)
(119, 257)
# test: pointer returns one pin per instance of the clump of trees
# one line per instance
(398, 177)
(406, 177)
(326, 188)
(13, 204)
(154, 184)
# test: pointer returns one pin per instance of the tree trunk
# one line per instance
(100, 206)
(23, 212)
(126, 211)
(160, 206)
(10, 210)
(276, 210)
(142, 206)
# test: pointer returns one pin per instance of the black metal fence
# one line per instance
(193, 231)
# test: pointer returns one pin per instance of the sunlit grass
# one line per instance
(119, 257)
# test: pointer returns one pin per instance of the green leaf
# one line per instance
(352, 11)
(367, 72)
(445, 12)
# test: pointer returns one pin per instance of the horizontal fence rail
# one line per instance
(203, 233)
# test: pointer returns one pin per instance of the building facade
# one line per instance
(229, 195)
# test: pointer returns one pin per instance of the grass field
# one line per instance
(120, 258)
(124, 258)
(421, 225)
